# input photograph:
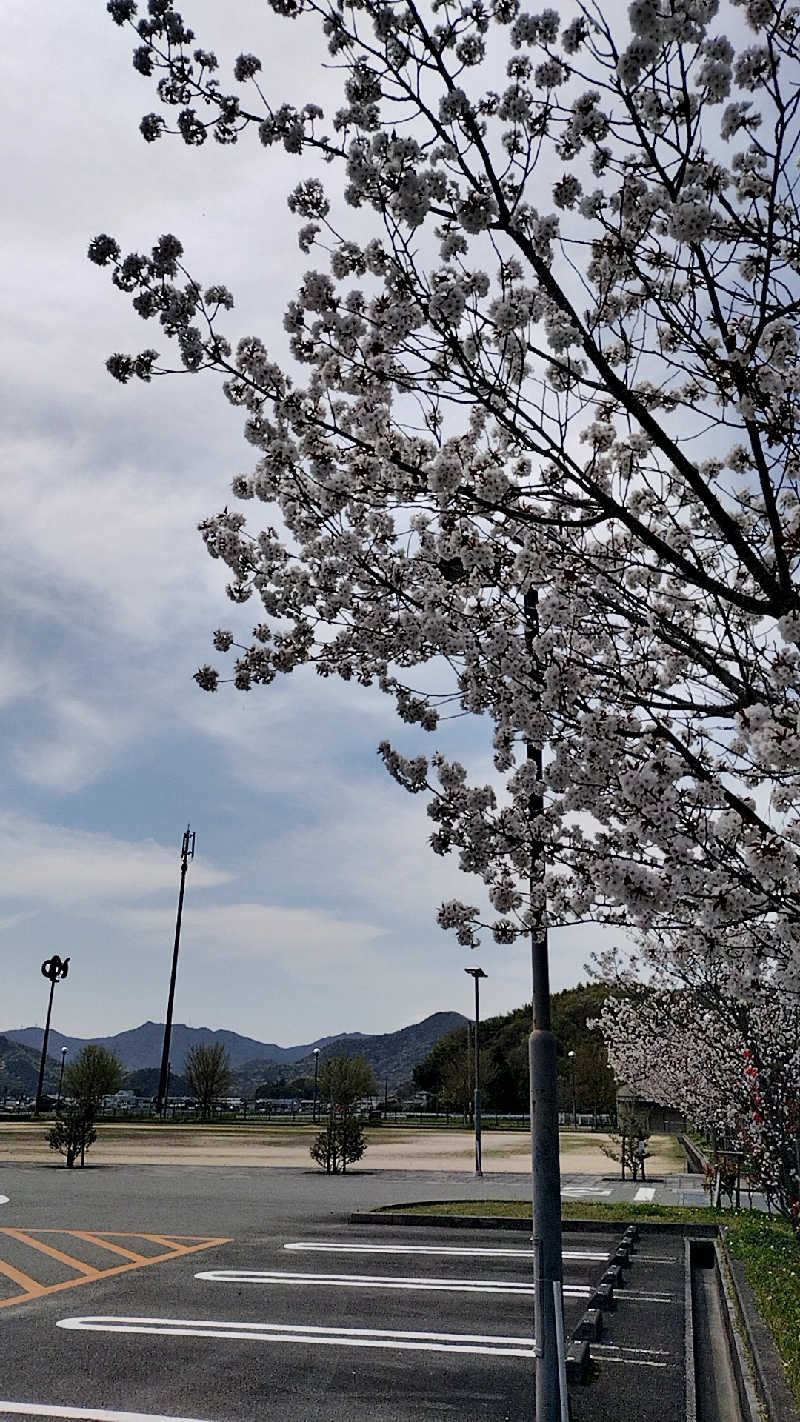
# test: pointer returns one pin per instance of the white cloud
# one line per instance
(58, 866)
(293, 938)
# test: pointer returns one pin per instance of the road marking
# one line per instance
(449, 1250)
(383, 1281)
(571, 1190)
(645, 1192)
(3, 1199)
(643, 1296)
(43, 1247)
(645, 1357)
(174, 1247)
(94, 1414)
(498, 1346)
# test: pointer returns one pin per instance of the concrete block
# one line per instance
(578, 1360)
(603, 1298)
(590, 1327)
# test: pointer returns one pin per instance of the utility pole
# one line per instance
(55, 969)
(551, 1373)
(187, 853)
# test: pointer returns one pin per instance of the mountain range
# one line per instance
(392, 1055)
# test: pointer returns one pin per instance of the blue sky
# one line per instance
(311, 904)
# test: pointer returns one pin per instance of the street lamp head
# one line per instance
(570, 1054)
(63, 1051)
(475, 972)
(316, 1051)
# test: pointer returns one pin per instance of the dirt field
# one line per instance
(390, 1148)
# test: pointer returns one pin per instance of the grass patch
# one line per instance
(771, 1260)
(570, 1210)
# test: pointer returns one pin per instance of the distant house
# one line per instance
(633, 1102)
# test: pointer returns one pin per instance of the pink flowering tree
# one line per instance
(688, 1038)
(536, 446)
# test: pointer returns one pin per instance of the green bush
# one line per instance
(341, 1143)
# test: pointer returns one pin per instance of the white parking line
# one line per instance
(93, 1414)
(380, 1281)
(498, 1346)
(3, 1199)
(447, 1250)
(635, 1357)
(645, 1192)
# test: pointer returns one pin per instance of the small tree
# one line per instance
(343, 1082)
(208, 1074)
(73, 1132)
(96, 1072)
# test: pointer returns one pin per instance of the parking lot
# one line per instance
(285, 1310)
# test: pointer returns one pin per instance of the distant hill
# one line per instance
(19, 1069)
(392, 1055)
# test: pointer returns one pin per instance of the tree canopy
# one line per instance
(447, 1071)
(534, 456)
(208, 1074)
(345, 1081)
(95, 1072)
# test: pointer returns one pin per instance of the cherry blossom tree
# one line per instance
(550, 456)
(533, 453)
(686, 1037)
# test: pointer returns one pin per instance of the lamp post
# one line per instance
(571, 1056)
(55, 969)
(477, 974)
(61, 1077)
(316, 1080)
(187, 853)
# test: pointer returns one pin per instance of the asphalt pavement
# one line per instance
(222, 1295)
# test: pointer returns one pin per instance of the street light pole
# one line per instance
(316, 1079)
(55, 969)
(61, 1077)
(187, 853)
(571, 1056)
(477, 974)
(551, 1374)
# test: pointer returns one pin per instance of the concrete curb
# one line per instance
(373, 1217)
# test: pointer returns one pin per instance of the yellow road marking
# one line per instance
(17, 1275)
(175, 1247)
(53, 1253)
(113, 1248)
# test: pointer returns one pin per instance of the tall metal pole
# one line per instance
(61, 1076)
(187, 853)
(55, 969)
(316, 1080)
(545, 1169)
(477, 974)
(571, 1056)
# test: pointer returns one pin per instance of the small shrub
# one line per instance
(341, 1143)
(73, 1133)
